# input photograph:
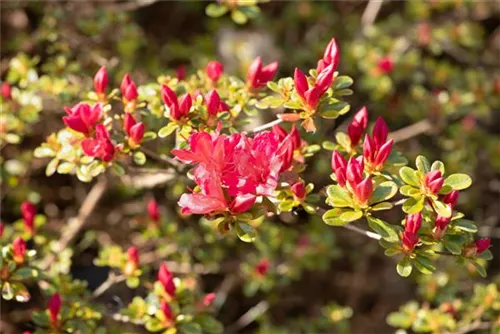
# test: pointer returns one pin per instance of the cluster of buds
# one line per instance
(311, 94)
(358, 126)
(433, 182)
(410, 236)
(101, 83)
(178, 108)
(441, 222)
(349, 175)
(258, 76)
(475, 248)
(28, 212)
(134, 130)
(376, 148)
(331, 57)
(54, 308)
(214, 105)
(129, 93)
(214, 71)
(100, 146)
(19, 250)
(132, 263)
(166, 278)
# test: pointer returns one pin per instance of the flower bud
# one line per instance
(2, 227)
(452, 198)
(301, 84)
(208, 299)
(166, 278)
(338, 161)
(364, 190)
(19, 250)
(299, 190)
(358, 126)
(262, 267)
(433, 181)
(167, 313)
(132, 261)
(214, 70)
(6, 91)
(413, 222)
(332, 54)
(28, 212)
(153, 211)
(168, 96)
(54, 307)
(180, 72)
(312, 97)
(380, 132)
(482, 245)
(324, 80)
(386, 64)
(212, 101)
(101, 82)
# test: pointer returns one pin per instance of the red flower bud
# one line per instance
(166, 278)
(358, 126)
(324, 80)
(262, 267)
(19, 250)
(482, 245)
(212, 101)
(242, 203)
(452, 198)
(153, 211)
(6, 91)
(54, 307)
(386, 64)
(2, 227)
(301, 84)
(185, 103)
(354, 172)
(380, 132)
(101, 81)
(136, 134)
(383, 153)
(132, 261)
(28, 212)
(312, 97)
(180, 72)
(433, 181)
(338, 161)
(413, 222)
(214, 70)
(167, 312)
(168, 96)
(295, 137)
(364, 190)
(258, 76)
(332, 54)
(128, 88)
(208, 299)
(299, 190)
(128, 122)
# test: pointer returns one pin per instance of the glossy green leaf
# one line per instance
(384, 229)
(245, 232)
(139, 158)
(413, 205)
(338, 196)
(167, 130)
(384, 191)
(215, 10)
(458, 181)
(423, 164)
(465, 225)
(349, 216)
(442, 209)
(332, 217)
(404, 267)
(409, 176)
(342, 82)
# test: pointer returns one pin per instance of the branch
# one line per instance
(250, 316)
(108, 283)
(76, 224)
(267, 125)
(163, 158)
(371, 12)
(368, 234)
(411, 131)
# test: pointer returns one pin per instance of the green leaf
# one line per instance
(465, 225)
(404, 267)
(190, 328)
(334, 110)
(438, 165)
(424, 265)
(150, 135)
(384, 229)
(413, 205)
(486, 255)
(270, 102)
(215, 10)
(167, 130)
(458, 181)
(349, 216)
(153, 325)
(342, 82)
(480, 269)
(139, 158)
(423, 164)
(51, 167)
(118, 169)
(7, 291)
(133, 282)
(65, 167)
(294, 105)
(332, 217)
(328, 145)
(344, 140)
(21, 292)
(382, 206)
(442, 209)
(273, 86)
(409, 191)
(209, 324)
(338, 196)
(452, 244)
(384, 191)
(409, 176)
(245, 232)
(238, 16)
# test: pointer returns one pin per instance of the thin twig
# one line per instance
(371, 12)
(268, 125)
(223, 291)
(369, 234)
(250, 316)
(411, 131)
(163, 158)
(108, 283)
(76, 225)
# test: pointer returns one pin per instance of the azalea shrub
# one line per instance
(196, 181)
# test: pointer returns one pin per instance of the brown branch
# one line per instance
(371, 11)
(267, 125)
(76, 224)
(163, 158)
(108, 283)
(411, 131)
(250, 316)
